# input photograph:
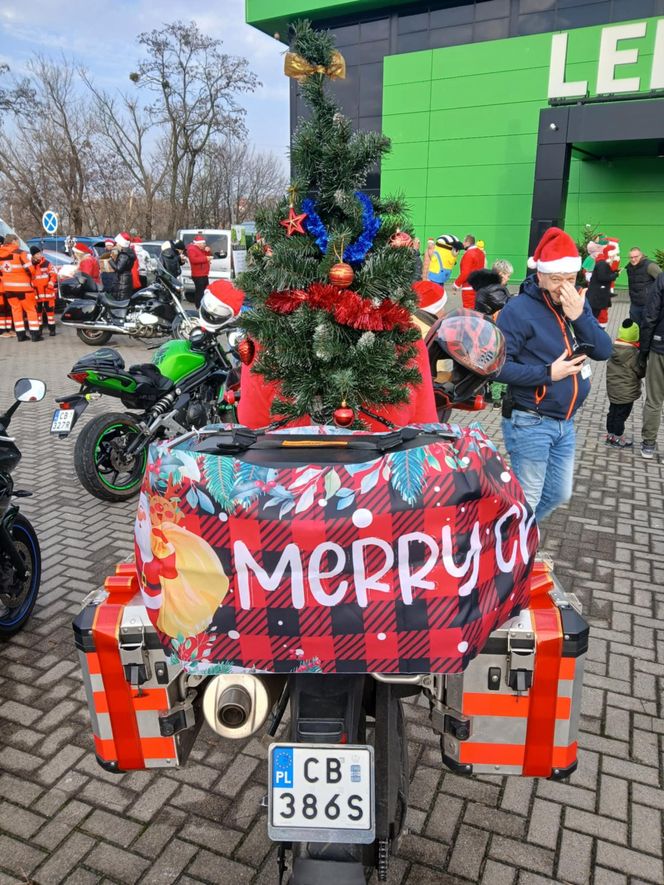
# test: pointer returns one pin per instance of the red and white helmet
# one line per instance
(221, 303)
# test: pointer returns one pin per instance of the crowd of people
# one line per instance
(29, 282)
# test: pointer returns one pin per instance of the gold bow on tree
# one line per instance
(299, 68)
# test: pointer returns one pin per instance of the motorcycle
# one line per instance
(20, 557)
(153, 312)
(187, 385)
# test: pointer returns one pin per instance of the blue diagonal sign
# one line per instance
(50, 221)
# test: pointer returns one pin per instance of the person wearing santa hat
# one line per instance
(86, 258)
(199, 255)
(122, 263)
(550, 332)
(474, 258)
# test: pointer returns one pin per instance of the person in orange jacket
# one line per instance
(45, 284)
(5, 312)
(15, 266)
(474, 258)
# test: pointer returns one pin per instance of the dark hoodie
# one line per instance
(170, 260)
(490, 294)
(536, 333)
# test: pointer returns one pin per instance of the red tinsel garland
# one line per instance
(347, 307)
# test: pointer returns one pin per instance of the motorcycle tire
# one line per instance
(15, 614)
(364, 853)
(94, 338)
(94, 450)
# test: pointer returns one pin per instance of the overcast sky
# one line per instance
(102, 36)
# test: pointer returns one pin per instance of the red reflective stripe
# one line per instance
(538, 760)
(105, 629)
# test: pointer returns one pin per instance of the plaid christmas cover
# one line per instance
(400, 564)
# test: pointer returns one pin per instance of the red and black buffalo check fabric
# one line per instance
(455, 490)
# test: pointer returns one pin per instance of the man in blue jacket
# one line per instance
(549, 332)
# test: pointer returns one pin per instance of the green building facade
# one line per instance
(502, 137)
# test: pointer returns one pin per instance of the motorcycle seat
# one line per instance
(113, 302)
(150, 374)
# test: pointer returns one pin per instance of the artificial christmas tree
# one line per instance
(331, 300)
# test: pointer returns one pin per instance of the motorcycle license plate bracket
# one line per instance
(63, 421)
(321, 793)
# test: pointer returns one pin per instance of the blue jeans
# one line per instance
(542, 454)
(637, 313)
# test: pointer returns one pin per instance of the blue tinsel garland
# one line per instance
(355, 251)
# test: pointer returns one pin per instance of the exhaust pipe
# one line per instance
(237, 705)
(96, 327)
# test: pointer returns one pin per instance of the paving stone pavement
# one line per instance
(63, 819)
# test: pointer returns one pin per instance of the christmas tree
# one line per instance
(329, 284)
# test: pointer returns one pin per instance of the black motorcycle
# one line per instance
(153, 312)
(20, 557)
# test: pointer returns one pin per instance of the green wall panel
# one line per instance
(271, 15)
(467, 159)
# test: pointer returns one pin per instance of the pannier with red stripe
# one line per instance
(516, 708)
(143, 713)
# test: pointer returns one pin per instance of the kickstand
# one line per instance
(282, 866)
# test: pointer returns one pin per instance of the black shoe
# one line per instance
(51, 331)
(36, 336)
(21, 336)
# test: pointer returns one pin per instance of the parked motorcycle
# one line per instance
(186, 385)
(152, 312)
(20, 557)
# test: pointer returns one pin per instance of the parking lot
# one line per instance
(63, 819)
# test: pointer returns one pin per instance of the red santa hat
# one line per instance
(226, 292)
(109, 244)
(556, 252)
(83, 249)
(123, 240)
(430, 296)
(199, 238)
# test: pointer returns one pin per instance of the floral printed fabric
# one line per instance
(403, 563)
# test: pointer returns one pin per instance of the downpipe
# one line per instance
(97, 327)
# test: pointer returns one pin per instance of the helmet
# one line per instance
(472, 341)
(221, 303)
(476, 347)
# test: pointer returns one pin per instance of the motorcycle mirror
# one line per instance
(29, 390)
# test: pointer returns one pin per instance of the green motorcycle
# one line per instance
(187, 385)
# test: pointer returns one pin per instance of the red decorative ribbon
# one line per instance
(105, 631)
(540, 734)
(348, 308)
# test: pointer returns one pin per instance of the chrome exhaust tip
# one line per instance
(236, 705)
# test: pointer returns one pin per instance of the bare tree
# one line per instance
(234, 180)
(126, 130)
(46, 156)
(194, 86)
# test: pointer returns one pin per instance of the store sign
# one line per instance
(612, 63)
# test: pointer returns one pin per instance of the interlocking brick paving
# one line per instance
(63, 819)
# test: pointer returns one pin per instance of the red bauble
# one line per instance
(341, 275)
(293, 223)
(246, 350)
(343, 416)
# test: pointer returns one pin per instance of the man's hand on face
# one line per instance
(563, 367)
(571, 301)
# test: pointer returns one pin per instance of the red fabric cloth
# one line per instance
(473, 258)
(90, 266)
(199, 261)
(257, 395)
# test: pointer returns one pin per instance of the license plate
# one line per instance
(63, 420)
(319, 792)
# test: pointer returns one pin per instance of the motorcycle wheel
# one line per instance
(98, 458)
(17, 608)
(94, 337)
